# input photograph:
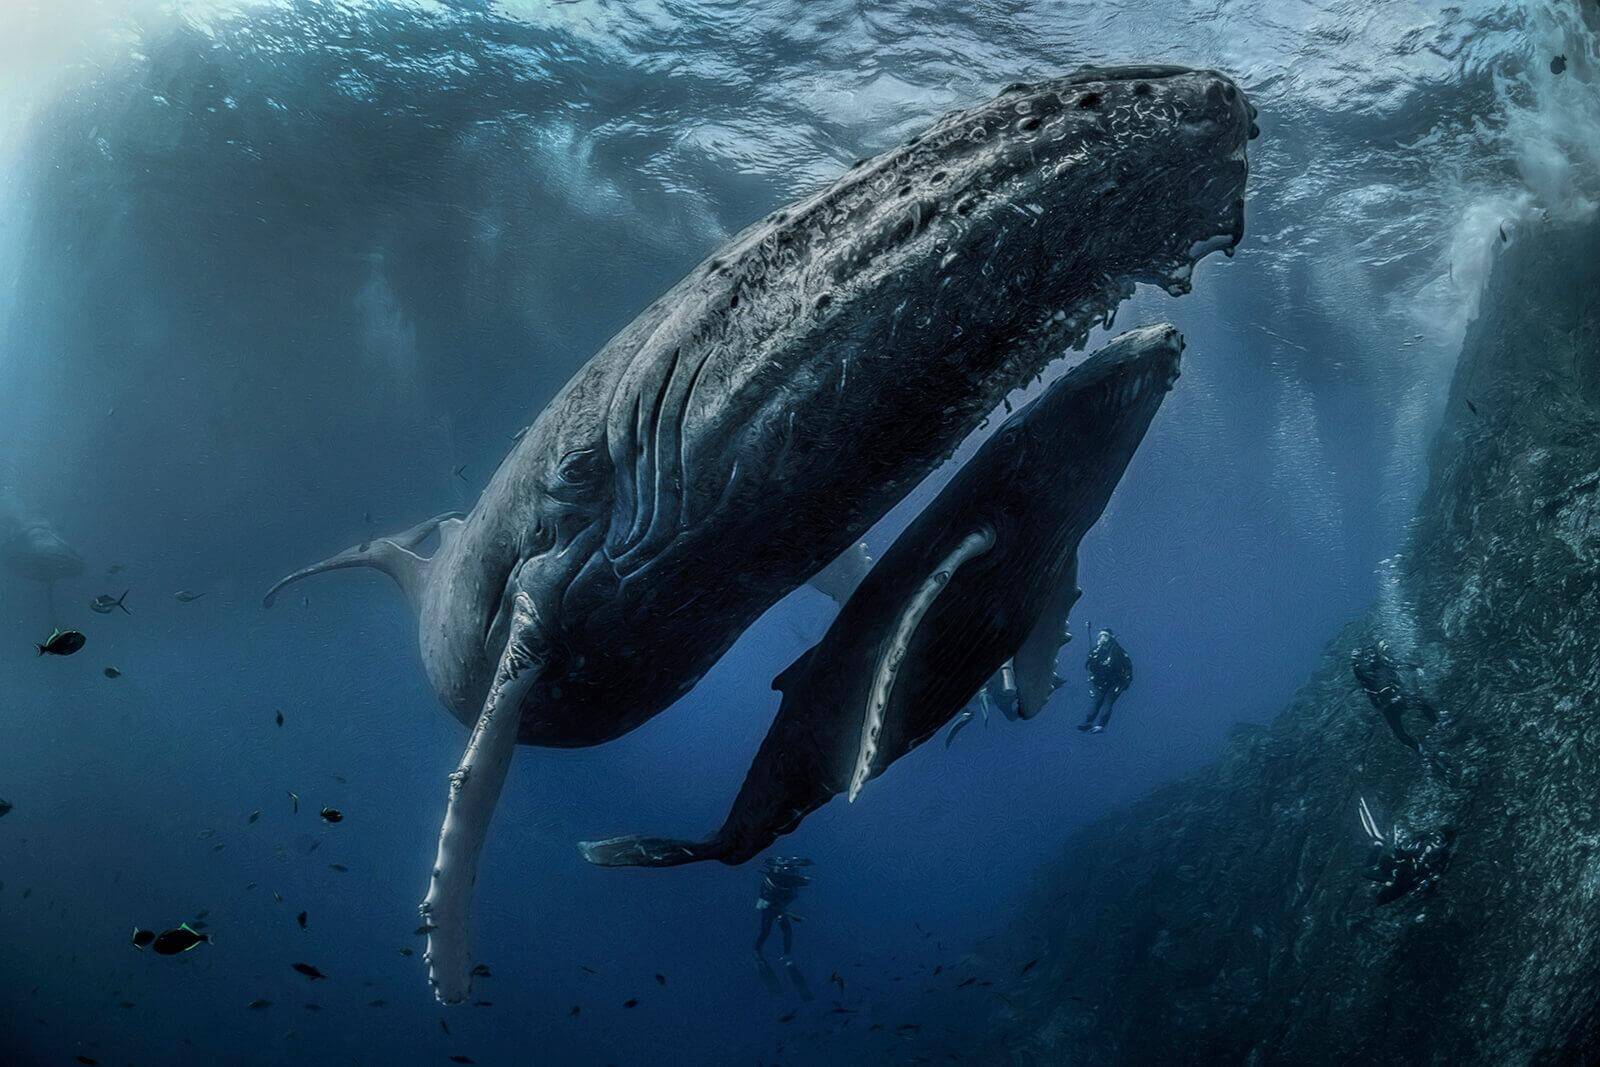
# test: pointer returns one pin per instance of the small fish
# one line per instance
(105, 603)
(111, 672)
(205, 913)
(837, 979)
(277, 897)
(218, 847)
(789, 1018)
(460, 472)
(661, 979)
(937, 969)
(250, 885)
(184, 938)
(405, 951)
(331, 815)
(462, 1059)
(142, 938)
(254, 815)
(586, 967)
(1026, 967)
(259, 1003)
(313, 1007)
(126, 1004)
(183, 596)
(280, 718)
(6, 806)
(309, 971)
(114, 569)
(61, 643)
(425, 929)
(483, 1003)
(301, 919)
(840, 1009)
(1471, 406)
(445, 1027)
(965, 982)
(200, 924)
(480, 971)
(908, 1027)
(87, 1060)
(1558, 64)
(379, 1003)
(341, 868)
(631, 1002)
(575, 1012)
(294, 798)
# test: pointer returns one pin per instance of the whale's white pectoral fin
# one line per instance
(474, 790)
(1035, 661)
(840, 578)
(971, 547)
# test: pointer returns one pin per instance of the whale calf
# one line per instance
(985, 574)
(751, 424)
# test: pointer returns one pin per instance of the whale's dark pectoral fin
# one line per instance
(474, 790)
(971, 547)
(395, 556)
(635, 851)
(1035, 661)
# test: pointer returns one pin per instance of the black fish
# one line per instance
(586, 967)
(309, 971)
(142, 938)
(105, 603)
(301, 919)
(405, 952)
(1026, 967)
(5, 806)
(462, 1059)
(377, 1003)
(280, 718)
(631, 1002)
(61, 643)
(331, 815)
(183, 596)
(661, 979)
(483, 1003)
(254, 815)
(575, 1010)
(126, 1004)
(789, 1018)
(341, 868)
(258, 1003)
(964, 983)
(184, 938)
(1558, 64)
(111, 672)
(86, 1060)
(481, 971)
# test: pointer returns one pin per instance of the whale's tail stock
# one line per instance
(395, 556)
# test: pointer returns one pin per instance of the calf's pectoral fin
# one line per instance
(395, 556)
(474, 790)
(971, 547)
(1035, 661)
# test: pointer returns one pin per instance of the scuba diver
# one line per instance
(1391, 693)
(1403, 864)
(781, 882)
(1110, 674)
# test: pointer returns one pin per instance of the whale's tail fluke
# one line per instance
(395, 556)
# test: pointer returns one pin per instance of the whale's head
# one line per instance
(1068, 449)
(1027, 219)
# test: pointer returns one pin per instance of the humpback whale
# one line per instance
(985, 574)
(755, 420)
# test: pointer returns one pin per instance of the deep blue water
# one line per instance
(269, 268)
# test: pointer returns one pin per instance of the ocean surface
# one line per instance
(280, 276)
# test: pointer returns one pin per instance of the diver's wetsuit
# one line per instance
(1390, 692)
(1110, 674)
(781, 882)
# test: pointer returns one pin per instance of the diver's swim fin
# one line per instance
(971, 547)
(768, 976)
(395, 556)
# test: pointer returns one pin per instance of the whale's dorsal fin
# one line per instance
(971, 547)
(1035, 661)
(395, 556)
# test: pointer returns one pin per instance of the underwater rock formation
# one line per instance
(1227, 919)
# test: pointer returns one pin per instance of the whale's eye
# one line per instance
(578, 466)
